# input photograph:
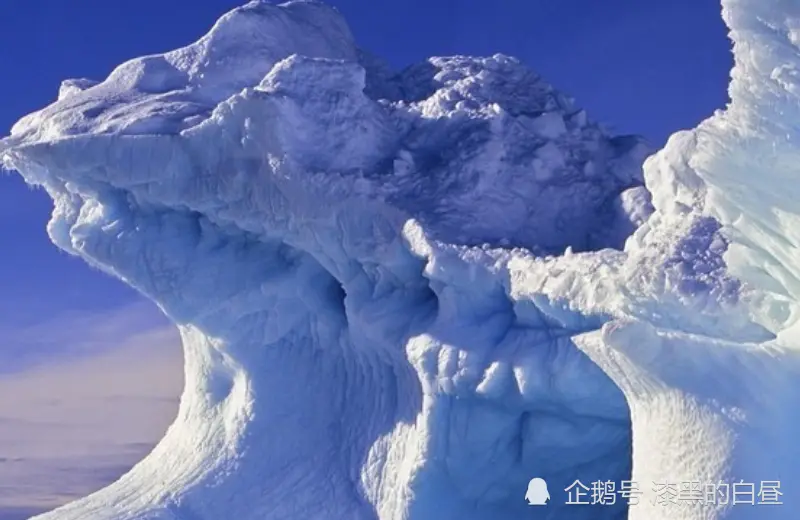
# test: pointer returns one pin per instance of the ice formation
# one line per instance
(403, 296)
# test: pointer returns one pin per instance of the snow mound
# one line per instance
(403, 296)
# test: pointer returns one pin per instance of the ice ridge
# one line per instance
(403, 296)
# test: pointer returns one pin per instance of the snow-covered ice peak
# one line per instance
(404, 295)
(479, 150)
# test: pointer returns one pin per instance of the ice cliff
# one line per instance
(403, 295)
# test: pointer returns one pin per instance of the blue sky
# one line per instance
(640, 66)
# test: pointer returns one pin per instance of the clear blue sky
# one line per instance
(641, 66)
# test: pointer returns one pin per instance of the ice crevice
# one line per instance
(403, 295)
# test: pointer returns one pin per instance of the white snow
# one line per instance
(375, 320)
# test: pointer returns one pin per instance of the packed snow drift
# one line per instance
(405, 295)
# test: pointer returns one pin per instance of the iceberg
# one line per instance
(405, 295)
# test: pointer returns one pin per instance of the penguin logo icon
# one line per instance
(537, 494)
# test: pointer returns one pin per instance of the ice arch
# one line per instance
(316, 225)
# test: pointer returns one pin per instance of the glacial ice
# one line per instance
(404, 295)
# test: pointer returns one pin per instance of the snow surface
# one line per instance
(403, 296)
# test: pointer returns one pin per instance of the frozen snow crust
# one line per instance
(402, 296)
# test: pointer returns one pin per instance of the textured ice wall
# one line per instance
(357, 262)
(715, 402)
